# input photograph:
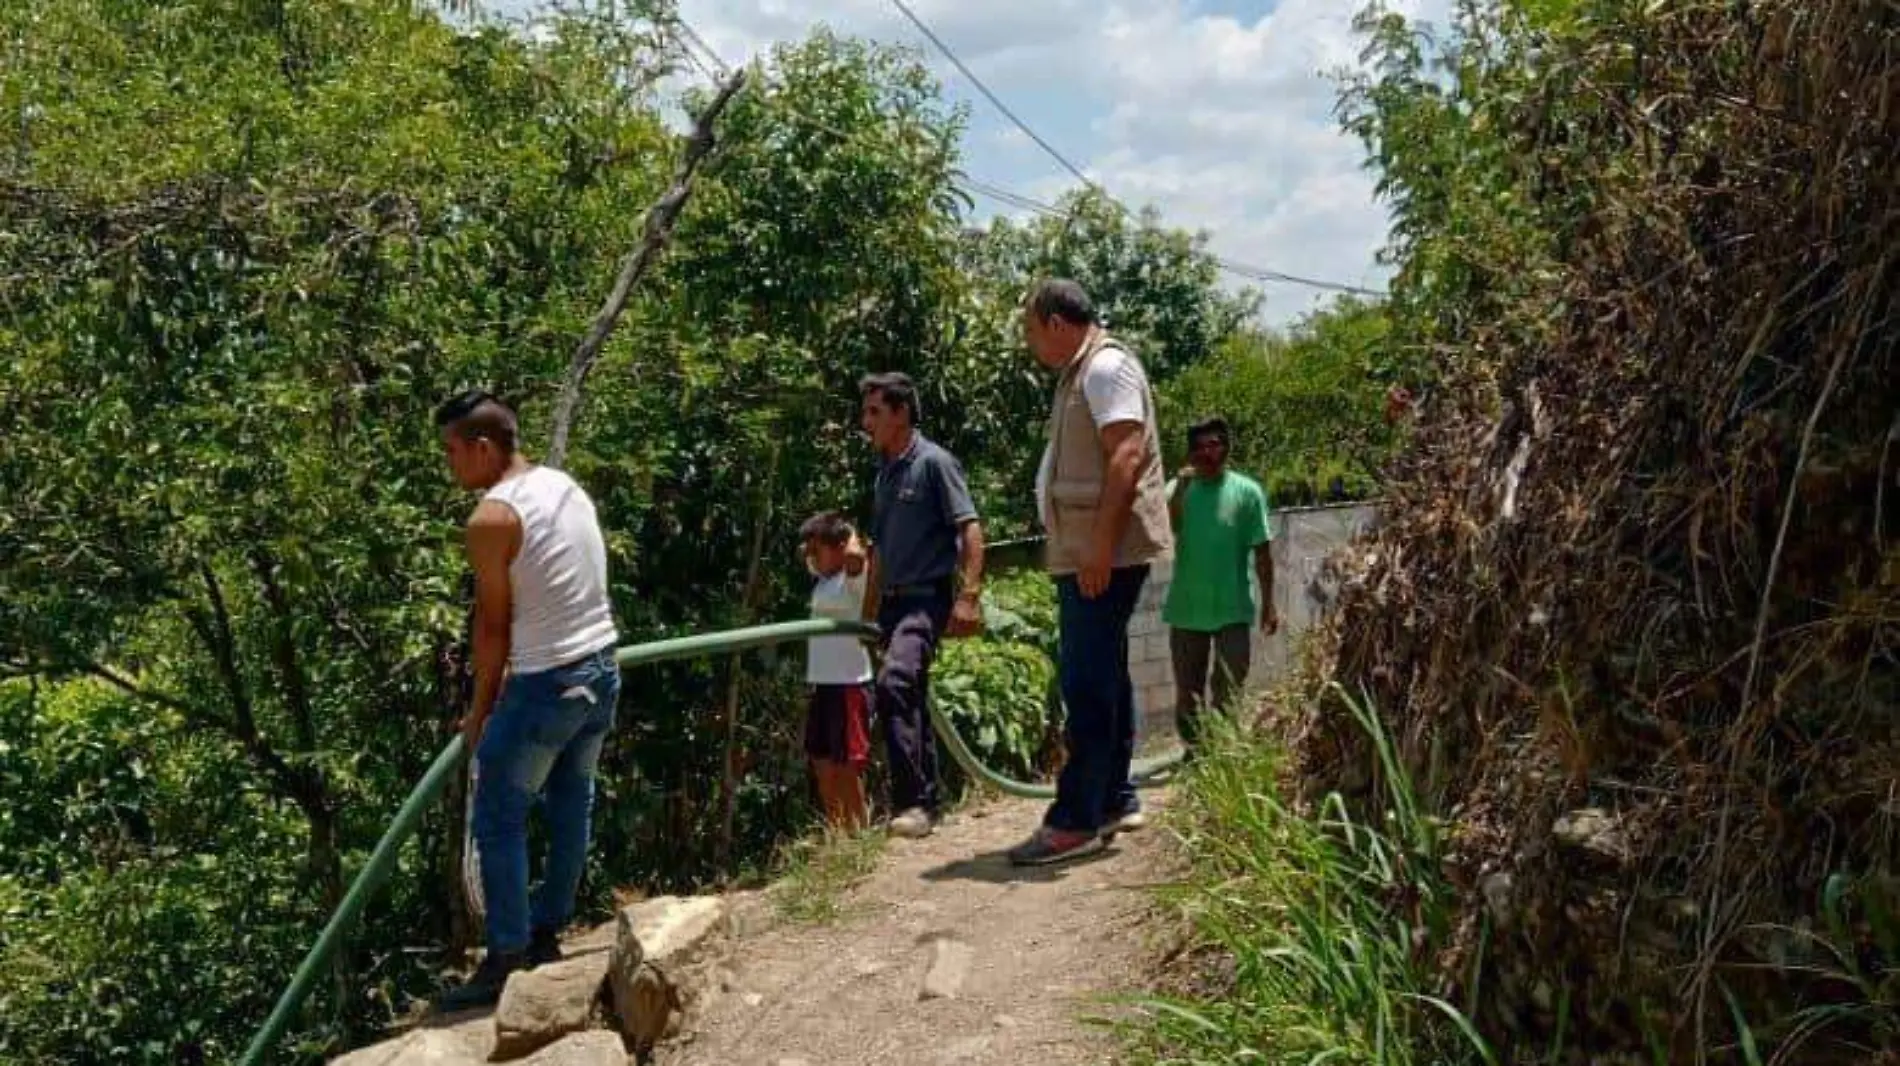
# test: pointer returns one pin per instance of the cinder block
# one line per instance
(1158, 647)
(1157, 702)
(1149, 674)
(1144, 623)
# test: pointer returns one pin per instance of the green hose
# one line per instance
(430, 788)
(1145, 771)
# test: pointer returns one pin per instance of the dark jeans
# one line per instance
(1100, 698)
(913, 621)
(540, 745)
(1231, 650)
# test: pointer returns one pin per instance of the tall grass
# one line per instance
(1323, 925)
(816, 873)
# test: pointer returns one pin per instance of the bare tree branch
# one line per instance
(284, 650)
(215, 632)
(139, 692)
(659, 229)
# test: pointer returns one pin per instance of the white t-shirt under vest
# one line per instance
(558, 580)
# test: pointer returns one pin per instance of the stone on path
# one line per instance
(650, 974)
(464, 1045)
(418, 1047)
(454, 1040)
(542, 1005)
(597, 1047)
(949, 965)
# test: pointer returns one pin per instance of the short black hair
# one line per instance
(1064, 299)
(476, 414)
(1215, 426)
(895, 389)
(827, 527)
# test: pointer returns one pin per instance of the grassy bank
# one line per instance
(1311, 930)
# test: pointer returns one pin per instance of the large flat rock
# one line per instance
(465, 1045)
(651, 977)
(444, 1042)
(597, 1047)
(542, 1005)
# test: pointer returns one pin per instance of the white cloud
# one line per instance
(1223, 122)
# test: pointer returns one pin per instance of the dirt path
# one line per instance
(1043, 949)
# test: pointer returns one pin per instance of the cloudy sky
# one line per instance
(1217, 112)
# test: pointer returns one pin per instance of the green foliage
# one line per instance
(998, 687)
(1471, 136)
(1326, 925)
(1307, 408)
(145, 905)
(1158, 289)
(244, 249)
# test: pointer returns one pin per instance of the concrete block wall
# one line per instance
(1303, 539)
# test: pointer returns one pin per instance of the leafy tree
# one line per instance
(1158, 289)
(1306, 407)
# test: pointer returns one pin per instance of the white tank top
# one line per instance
(559, 577)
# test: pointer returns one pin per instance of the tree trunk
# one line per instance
(452, 686)
(326, 869)
(729, 778)
(659, 230)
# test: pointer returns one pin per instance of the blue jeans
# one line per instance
(541, 744)
(1095, 787)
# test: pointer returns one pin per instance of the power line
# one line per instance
(1257, 273)
(924, 28)
(693, 36)
(1016, 199)
(692, 43)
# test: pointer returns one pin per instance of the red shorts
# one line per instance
(838, 724)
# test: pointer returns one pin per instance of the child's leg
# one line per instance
(830, 795)
(855, 803)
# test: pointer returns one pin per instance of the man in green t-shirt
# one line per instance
(1221, 524)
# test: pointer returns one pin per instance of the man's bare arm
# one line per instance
(872, 580)
(493, 537)
(1263, 572)
(1121, 457)
(970, 558)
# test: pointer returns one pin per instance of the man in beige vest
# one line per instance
(1104, 502)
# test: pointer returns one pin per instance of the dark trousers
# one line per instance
(913, 621)
(1231, 652)
(1100, 698)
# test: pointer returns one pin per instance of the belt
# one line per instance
(939, 587)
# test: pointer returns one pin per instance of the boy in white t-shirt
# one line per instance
(838, 669)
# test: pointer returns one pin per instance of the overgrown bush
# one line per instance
(1313, 927)
(1630, 614)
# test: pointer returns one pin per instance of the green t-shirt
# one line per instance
(1222, 522)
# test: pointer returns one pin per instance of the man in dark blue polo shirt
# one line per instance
(927, 573)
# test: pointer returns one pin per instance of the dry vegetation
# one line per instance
(1633, 616)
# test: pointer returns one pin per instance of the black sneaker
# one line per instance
(483, 987)
(544, 946)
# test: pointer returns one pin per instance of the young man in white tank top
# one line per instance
(546, 684)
